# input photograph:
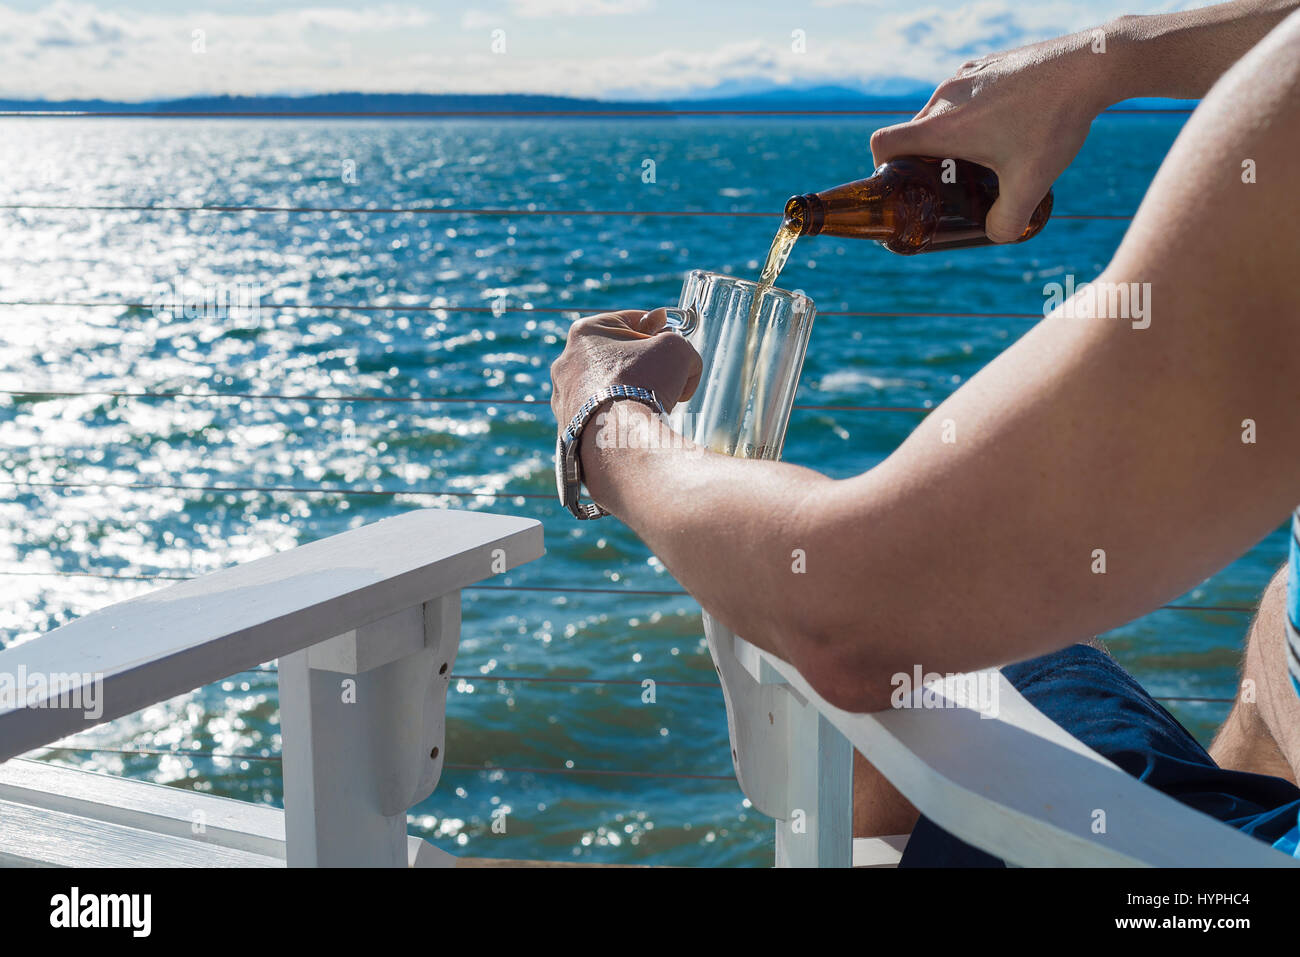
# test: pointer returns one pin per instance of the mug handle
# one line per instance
(682, 321)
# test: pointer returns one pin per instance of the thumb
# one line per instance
(1009, 216)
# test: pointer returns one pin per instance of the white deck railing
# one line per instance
(366, 627)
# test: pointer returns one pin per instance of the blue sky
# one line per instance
(148, 49)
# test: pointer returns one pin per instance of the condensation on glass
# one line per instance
(752, 342)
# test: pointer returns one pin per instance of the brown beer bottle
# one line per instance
(912, 204)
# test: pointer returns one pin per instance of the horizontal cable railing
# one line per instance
(432, 211)
(277, 489)
(275, 758)
(565, 590)
(713, 685)
(434, 400)
(499, 311)
(577, 114)
(418, 400)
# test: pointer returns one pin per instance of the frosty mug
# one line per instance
(751, 342)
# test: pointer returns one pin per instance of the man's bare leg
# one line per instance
(1262, 732)
(878, 809)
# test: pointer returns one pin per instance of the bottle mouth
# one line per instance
(805, 213)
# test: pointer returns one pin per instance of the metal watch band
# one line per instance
(568, 465)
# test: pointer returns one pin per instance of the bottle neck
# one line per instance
(858, 210)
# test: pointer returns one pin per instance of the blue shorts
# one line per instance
(1088, 694)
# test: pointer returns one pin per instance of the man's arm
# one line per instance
(1181, 55)
(1024, 113)
(1088, 436)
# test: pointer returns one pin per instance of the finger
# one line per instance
(620, 318)
(1009, 216)
(629, 317)
(937, 103)
(694, 369)
(611, 325)
(653, 322)
(693, 380)
(923, 137)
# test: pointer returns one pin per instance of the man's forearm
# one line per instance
(724, 527)
(1181, 55)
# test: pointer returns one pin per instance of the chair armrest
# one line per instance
(138, 652)
(1013, 783)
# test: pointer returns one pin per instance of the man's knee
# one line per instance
(1266, 706)
(1265, 639)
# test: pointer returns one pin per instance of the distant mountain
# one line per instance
(760, 89)
(328, 103)
(901, 97)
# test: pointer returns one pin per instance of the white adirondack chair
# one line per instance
(1004, 779)
(380, 606)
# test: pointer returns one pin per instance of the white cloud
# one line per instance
(75, 50)
(577, 8)
(478, 20)
(375, 19)
(71, 25)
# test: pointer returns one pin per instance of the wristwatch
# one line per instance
(568, 466)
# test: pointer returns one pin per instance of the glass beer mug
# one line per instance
(752, 343)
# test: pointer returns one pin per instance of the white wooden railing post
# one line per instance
(363, 718)
(791, 762)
